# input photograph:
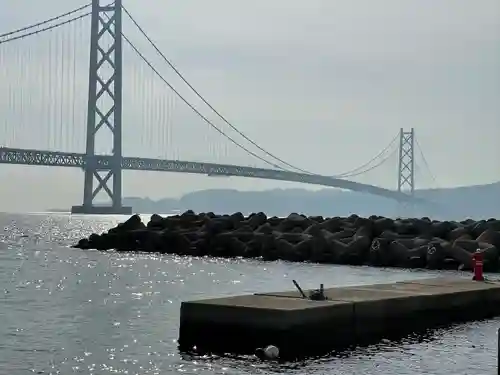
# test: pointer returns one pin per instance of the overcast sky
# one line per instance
(324, 85)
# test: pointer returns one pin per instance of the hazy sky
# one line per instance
(324, 85)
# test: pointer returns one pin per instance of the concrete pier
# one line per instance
(101, 210)
(353, 315)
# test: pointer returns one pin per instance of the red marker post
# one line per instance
(477, 264)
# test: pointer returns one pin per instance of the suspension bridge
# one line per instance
(66, 107)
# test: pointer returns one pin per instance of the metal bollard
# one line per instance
(314, 295)
(318, 294)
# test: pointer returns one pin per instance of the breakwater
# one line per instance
(375, 241)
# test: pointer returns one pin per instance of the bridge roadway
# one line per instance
(76, 160)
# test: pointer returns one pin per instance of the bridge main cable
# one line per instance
(355, 172)
(32, 26)
(195, 110)
(359, 170)
(426, 164)
(181, 76)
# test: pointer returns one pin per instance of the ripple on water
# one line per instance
(70, 311)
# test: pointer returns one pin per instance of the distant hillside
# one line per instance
(481, 201)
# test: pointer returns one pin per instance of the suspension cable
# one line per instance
(381, 161)
(45, 22)
(350, 173)
(22, 36)
(425, 162)
(193, 108)
(206, 102)
(354, 172)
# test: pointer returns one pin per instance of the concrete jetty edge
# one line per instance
(353, 315)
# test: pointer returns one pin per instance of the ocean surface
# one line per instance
(68, 311)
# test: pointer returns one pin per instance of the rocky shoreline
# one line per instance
(375, 241)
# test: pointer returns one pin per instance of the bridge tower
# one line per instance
(406, 169)
(104, 110)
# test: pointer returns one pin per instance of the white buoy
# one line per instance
(271, 352)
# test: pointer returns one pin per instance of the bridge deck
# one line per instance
(77, 160)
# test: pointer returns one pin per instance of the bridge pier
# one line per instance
(101, 210)
(105, 106)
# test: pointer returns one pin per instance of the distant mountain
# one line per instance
(481, 201)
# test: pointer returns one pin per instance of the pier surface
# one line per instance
(353, 315)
